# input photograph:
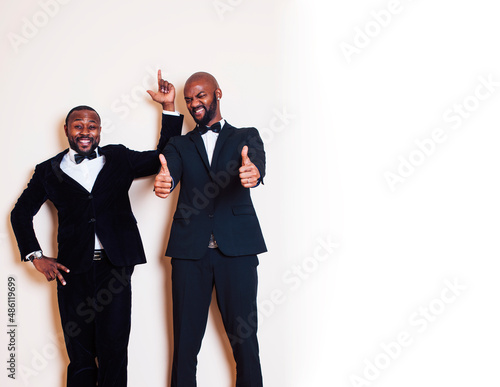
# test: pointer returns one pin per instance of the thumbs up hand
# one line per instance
(163, 180)
(249, 173)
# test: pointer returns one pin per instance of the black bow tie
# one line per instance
(214, 128)
(79, 158)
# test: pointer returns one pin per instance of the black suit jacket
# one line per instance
(104, 211)
(211, 197)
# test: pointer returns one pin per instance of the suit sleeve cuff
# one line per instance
(169, 113)
(259, 180)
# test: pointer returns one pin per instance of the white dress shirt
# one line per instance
(84, 173)
(209, 138)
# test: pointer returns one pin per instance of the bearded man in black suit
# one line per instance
(215, 235)
(98, 241)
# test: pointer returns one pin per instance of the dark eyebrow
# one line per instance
(79, 119)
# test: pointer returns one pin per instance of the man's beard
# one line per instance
(209, 114)
(74, 145)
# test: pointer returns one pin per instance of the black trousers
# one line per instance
(235, 281)
(95, 310)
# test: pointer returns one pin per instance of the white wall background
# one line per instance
(383, 256)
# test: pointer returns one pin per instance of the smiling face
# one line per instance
(202, 95)
(83, 131)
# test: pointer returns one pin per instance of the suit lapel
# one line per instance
(58, 172)
(102, 173)
(225, 133)
(195, 136)
(64, 178)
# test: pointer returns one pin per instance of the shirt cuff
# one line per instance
(168, 112)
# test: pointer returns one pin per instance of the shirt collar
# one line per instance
(72, 153)
(222, 122)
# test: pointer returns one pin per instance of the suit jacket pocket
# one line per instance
(243, 210)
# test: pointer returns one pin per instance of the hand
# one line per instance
(165, 94)
(163, 180)
(50, 268)
(249, 173)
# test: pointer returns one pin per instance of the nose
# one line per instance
(194, 103)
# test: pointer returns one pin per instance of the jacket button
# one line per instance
(91, 196)
(92, 220)
(210, 215)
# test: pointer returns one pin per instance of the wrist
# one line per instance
(38, 254)
(170, 107)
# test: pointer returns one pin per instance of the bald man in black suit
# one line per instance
(215, 235)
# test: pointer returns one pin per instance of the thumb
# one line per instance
(245, 160)
(164, 169)
(151, 93)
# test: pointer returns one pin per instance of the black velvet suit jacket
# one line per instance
(211, 197)
(104, 211)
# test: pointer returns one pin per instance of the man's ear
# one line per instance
(218, 94)
(66, 130)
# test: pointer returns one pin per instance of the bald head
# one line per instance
(202, 95)
(203, 77)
